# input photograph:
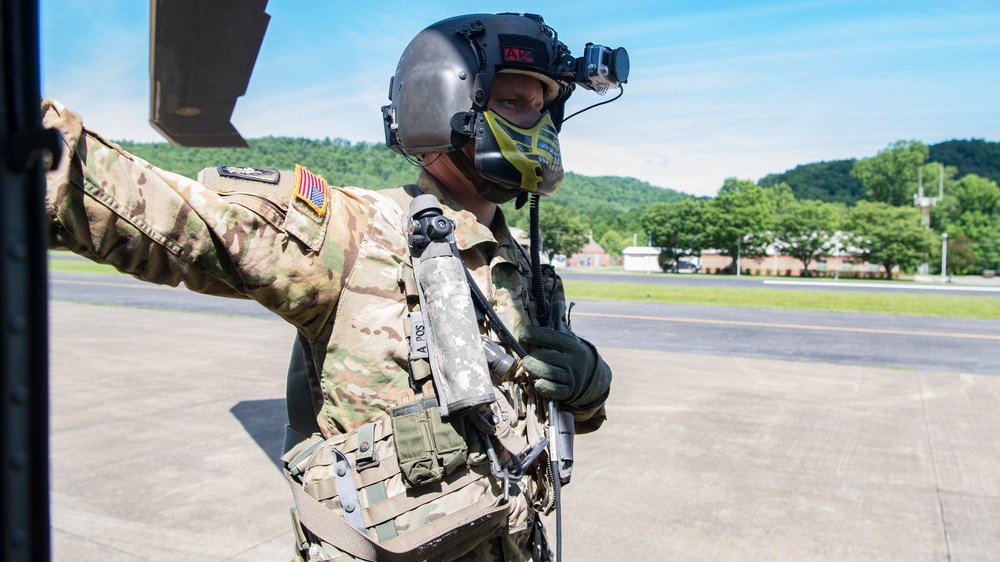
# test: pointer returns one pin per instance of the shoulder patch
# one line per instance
(311, 189)
(266, 175)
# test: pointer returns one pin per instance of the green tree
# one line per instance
(961, 255)
(891, 175)
(739, 219)
(561, 231)
(975, 193)
(607, 202)
(678, 228)
(613, 243)
(987, 249)
(970, 209)
(805, 229)
(887, 235)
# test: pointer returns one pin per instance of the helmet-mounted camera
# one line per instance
(601, 68)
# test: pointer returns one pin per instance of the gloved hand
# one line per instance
(565, 368)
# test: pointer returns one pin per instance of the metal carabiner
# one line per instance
(530, 455)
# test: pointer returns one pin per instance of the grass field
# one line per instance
(917, 304)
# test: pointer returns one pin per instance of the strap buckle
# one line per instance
(366, 456)
(519, 463)
(499, 472)
(299, 535)
(295, 465)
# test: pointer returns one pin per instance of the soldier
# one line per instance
(478, 100)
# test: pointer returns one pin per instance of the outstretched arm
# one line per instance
(115, 208)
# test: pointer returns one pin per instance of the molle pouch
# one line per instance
(427, 447)
(353, 499)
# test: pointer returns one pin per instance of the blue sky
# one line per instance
(717, 89)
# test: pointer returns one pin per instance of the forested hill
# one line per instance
(826, 181)
(974, 156)
(832, 181)
(607, 201)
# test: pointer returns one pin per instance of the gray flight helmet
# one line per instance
(445, 77)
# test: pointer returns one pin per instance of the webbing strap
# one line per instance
(377, 493)
(386, 510)
(419, 367)
(348, 494)
(365, 454)
(326, 489)
(348, 442)
(501, 429)
(474, 523)
(298, 396)
(403, 195)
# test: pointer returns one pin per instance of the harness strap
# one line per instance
(377, 493)
(298, 396)
(477, 520)
(348, 494)
(366, 455)
(402, 503)
(348, 442)
(326, 489)
(403, 194)
(418, 364)
(385, 509)
(499, 427)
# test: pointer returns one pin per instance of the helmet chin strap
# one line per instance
(489, 190)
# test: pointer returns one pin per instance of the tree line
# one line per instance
(884, 227)
(865, 206)
(832, 181)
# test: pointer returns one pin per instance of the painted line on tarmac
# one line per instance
(867, 286)
(793, 326)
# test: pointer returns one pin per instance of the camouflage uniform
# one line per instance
(332, 271)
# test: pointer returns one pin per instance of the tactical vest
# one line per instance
(446, 482)
(412, 485)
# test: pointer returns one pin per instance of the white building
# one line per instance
(641, 258)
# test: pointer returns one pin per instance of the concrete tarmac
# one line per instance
(166, 426)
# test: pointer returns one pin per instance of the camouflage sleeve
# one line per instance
(115, 208)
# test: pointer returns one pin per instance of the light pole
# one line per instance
(739, 250)
(836, 254)
(944, 257)
(649, 244)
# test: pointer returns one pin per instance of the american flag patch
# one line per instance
(310, 188)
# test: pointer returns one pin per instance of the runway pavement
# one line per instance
(165, 428)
